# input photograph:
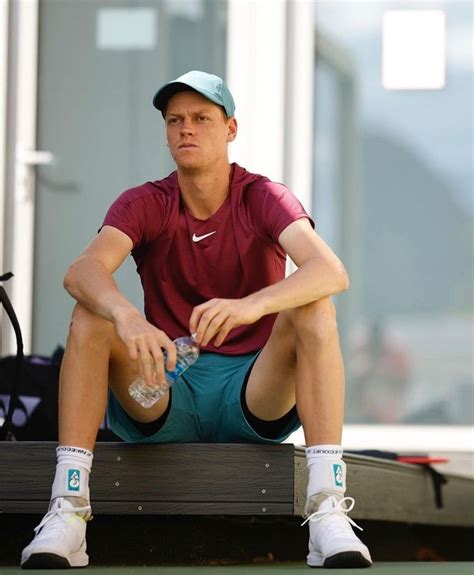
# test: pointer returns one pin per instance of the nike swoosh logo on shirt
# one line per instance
(199, 238)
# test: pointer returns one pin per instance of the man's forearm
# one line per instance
(89, 282)
(314, 280)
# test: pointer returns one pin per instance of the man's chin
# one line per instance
(185, 160)
(190, 165)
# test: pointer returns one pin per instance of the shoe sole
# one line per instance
(52, 561)
(345, 559)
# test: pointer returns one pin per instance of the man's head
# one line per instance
(199, 120)
(208, 85)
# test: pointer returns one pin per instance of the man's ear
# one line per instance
(232, 130)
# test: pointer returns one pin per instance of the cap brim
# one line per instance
(161, 98)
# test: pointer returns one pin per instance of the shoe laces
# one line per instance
(61, 512)
(338, 507)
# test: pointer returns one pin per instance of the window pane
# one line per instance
(408, 337)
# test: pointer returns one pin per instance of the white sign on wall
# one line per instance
(126, 28)
(414, 50)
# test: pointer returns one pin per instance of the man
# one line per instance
(210, 243)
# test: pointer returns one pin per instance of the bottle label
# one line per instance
(187, 354)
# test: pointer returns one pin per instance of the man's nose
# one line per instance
(187, 126)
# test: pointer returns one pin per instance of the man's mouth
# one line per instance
(187, 145)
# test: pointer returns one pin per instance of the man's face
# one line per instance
(197, 130)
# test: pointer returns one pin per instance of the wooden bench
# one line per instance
(227, 479)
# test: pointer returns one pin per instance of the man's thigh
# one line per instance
(271, 385)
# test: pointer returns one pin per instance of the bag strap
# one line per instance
(6, 431)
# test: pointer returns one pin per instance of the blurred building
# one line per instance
(386, 173)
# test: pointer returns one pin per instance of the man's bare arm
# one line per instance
(320, 274)
(89, 278)
(90, 281)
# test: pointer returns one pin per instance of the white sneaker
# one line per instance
(332, 542)
(60, 538)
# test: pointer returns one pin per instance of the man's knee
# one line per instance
(90, 328)
(316, 321)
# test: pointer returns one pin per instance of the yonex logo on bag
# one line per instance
(73, 479)
(338, 477)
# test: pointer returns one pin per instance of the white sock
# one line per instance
(71, 479)
(327, 472)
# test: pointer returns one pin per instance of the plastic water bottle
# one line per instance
(147, 395)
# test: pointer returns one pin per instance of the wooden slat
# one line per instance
(161, 508)
(188, 477)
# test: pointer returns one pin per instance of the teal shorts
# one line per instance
(205, 406)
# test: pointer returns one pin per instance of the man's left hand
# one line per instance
(217, 317)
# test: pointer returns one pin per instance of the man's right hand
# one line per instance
(145, 344)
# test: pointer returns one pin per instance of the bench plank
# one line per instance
(177, 478)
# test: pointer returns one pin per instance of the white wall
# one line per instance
(3, 117)
(299, 117)
(270, 71)
(3, 139)
(256, 77)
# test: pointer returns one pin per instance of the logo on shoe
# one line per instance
(73, 479)
(338, 476)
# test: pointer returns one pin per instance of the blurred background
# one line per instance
(365, 109)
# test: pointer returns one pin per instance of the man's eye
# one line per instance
(203, 118)
(172, 121)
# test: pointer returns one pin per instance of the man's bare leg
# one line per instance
(94, 357)
(302, 362)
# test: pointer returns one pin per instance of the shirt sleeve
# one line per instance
(137, 212)
(279, 208)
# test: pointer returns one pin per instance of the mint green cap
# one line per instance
(208, 85)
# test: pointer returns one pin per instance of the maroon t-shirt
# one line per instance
(183, 261)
